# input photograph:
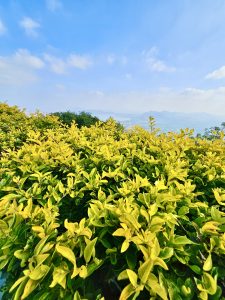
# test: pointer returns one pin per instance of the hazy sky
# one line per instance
(113, 55)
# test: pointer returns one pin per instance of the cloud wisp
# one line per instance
(61, 66)
(2, 28)
(57, 65)
(22, 67)
(112, 59)
(79, 61)
(53, 5)
(189, 100)
(155, 64)
(19, 68)
(217, 74)
(30, 26)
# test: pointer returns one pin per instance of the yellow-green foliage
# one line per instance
(94, 213)
(15, 123)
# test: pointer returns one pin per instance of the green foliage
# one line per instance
(81, 119)
(15, 124)
(213, 133)
(42, 122)
(97, 213)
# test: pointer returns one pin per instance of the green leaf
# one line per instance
(145, 270)
(183, 211)
(83, 272)
(21, 254)
(59, 276)
(153, 209)
(20, 290)
(155, 249)
(182, 240)
(68, 254)
(215, 213)
(208, 263)
(18, 281)
(29, 288)
(39, 272)
(156, 287)
(127, 292)
(166, 253)
(218, 197)
(76, 296)
(186, 291)
(210, 283)
(89, 250)
(10, 197)
(119, 232)
(196, 269)
(132, 277)
(124, 246)
(3, 226)
(123, 275)
(40, 245)
(41, 258)
(203, 295)
(161, 263)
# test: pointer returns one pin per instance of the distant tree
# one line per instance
(86, 119)
(213, 133)
(81, 119)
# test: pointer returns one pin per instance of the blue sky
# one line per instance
(113, 55)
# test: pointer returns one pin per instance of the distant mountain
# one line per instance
(166, 121)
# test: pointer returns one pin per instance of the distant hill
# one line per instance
(166, 121)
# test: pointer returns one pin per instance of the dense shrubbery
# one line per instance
(15, 124)
(96, 212)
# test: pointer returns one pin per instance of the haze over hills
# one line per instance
(166, 121)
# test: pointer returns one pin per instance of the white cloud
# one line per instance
(153, 51)
(53, 5)
(111, 59)
(188, 100)
(23, 57)
(19, 68)
(217, 74)
(61, 66)
(124, 60)
(154, 63)
(57, 65)
(30, 26)
(128, 76)
(158, 65)
(97, 93)
(22, 67)
(60, 86)
(2, 28)
(49, 97)
(79, 61)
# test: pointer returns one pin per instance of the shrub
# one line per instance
(91, 213)
(15, 124)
